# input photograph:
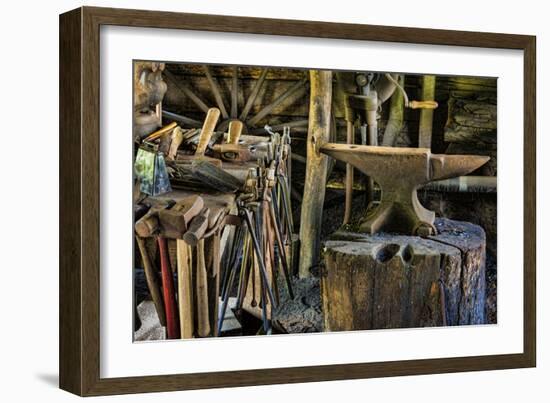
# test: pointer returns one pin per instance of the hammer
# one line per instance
(148, 224)
(174, 221)
(207, 130)
(232, 151)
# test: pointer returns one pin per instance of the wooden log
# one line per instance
(472, 121)
(317, 163)
(393, 281)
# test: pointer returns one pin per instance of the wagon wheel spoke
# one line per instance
(253, 95)
(187, 91)
(234, 92)
(298, 88)
(216, 91)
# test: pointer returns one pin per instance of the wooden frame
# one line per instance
(79, 200)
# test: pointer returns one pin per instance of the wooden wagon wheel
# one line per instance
(251, 123)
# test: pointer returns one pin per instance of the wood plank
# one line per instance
(317, 163)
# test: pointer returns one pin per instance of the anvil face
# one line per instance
(400, 172)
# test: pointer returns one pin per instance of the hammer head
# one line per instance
(235, 152)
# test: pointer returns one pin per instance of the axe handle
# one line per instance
(203, 321)
(172, 325)
(207, 130)
(234, 131)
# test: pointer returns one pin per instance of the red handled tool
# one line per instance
(170, 307)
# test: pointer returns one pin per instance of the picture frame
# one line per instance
(80, 154)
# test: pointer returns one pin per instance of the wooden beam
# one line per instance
(316, 172)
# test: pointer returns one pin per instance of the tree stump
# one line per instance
(395, 281)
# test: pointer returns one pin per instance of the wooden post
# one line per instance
(426, 115)
(316, 172)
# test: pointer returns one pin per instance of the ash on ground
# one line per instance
(303, 314)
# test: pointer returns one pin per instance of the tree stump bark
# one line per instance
(395, 281)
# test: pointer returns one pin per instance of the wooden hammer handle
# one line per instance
(207, 130)
(150, 277)
(234, 131)
(203, 321)
(160, 132)
(170, 307)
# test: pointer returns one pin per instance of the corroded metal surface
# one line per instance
(400, 172)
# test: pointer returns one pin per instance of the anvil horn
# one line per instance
(450, 166)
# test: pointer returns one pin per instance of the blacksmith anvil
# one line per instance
(400, 172)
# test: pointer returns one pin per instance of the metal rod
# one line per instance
(282, 252)
(286, 206)
(259, 257)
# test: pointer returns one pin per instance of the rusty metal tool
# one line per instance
(170, 307)
(258, 252)
(275, 222)
(399, 209)
(232, 270)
